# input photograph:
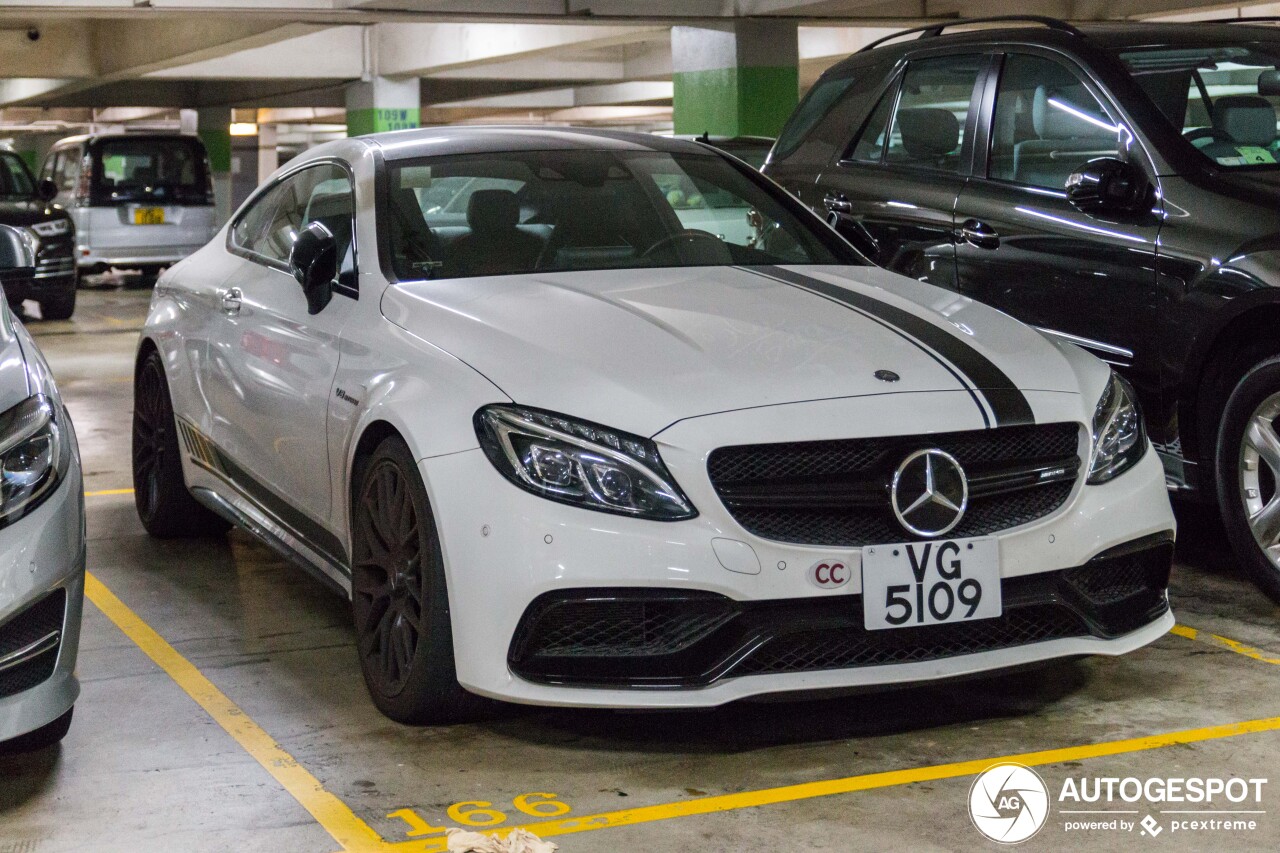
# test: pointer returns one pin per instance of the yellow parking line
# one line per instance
(870, 781)
(330, 812)
(104, 492)
(1225, 643)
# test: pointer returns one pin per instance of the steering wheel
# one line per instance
(1210, 133)
(670, 241)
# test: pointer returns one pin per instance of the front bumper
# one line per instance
(505, 548)
(42, 562)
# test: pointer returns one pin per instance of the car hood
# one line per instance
(641, 349)
(28, 211)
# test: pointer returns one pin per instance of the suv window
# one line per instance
(15, 179)
(816, 104)
(1047, 123)
(1222, 98)
(320, 193)
(927, 126)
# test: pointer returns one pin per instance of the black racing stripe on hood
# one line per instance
(981, 376)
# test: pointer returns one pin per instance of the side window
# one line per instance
(1047, 123)
(49, 169)
(322, 194)
(815, 105)
(927, 129)
(871, 142)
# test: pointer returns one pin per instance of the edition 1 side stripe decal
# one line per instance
(980, 375)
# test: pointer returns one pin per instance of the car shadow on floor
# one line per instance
(27, 775)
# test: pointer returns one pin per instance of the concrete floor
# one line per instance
(145, 768)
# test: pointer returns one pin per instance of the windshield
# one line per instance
(15, 178)
(1223, 99)
(524, 212)
(160, 170)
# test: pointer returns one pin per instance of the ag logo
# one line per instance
(829, 574)
(1008, 803)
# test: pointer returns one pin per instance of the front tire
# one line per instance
(400, 600)
(160, 493)
(1248, 473)
(59, 306)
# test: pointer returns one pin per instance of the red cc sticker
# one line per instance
(829, 574)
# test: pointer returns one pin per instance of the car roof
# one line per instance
(1107, 35)
(492, 139)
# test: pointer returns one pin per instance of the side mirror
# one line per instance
(314, 263)
(17, 254)
(46, 190)
(1107, 185)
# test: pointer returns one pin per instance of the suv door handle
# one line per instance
(231, 300)
(837, 203)
(979, 234)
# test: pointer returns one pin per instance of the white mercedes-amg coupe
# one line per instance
(602, 419)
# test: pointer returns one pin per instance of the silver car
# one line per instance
(42, 537)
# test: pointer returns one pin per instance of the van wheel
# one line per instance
(1248, 473)
(399, 598)
(160, 493)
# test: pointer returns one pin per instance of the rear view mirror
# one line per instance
(1107, 185)
(1269, 83)
(46, 190)
(314, 263)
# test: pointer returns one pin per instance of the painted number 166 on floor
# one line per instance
(930, 583)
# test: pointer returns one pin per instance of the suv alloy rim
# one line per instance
(388, 577)
(1260, 477)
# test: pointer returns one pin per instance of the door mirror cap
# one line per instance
(17, 252)
(313, 260)
(46, 190)
(1109, 185)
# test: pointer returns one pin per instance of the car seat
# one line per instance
(1064, 139)
(495, 246)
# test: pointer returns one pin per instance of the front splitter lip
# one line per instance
(905, 675)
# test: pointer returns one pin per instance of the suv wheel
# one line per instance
(1248, 473)
(160, 491)
(59, 306)
(399, 597)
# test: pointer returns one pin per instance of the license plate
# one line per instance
(930, 583)
(148, 216)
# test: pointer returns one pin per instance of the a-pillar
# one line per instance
(741, 79)
(213, 126)
(382, 104)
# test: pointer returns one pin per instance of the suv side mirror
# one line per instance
(314, 263)
(17, 254)
(1109, 185)
(46, 190)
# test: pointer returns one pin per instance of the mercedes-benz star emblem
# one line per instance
(930, 493)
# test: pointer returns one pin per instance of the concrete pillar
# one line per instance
(739, 79)
(381, 104)
(268, 156)
(213, 126)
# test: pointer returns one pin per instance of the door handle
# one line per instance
(979, 234)
(837, 203)
(231, 300)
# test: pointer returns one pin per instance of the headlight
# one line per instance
(52, 228)
(33, 456)
(580, 463)
(1119, 437)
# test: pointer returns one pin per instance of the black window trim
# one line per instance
(896, 79)
(348, 290)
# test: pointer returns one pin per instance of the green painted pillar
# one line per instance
(741, 79)
(213, 126)
(382, 104)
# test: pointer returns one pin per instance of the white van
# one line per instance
(141, 202)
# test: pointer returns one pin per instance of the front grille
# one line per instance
(836, 493)
(654, 638)
(36, 622)
(55, 267)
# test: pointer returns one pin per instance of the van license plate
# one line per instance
(148, 216)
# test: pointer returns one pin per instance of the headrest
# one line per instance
(1247, 119)
(929, 131)
(1053, 122)
(493, 210)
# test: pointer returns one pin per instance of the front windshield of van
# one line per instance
(1223, 99)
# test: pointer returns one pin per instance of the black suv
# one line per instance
(1116, 185)
(27, 204)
